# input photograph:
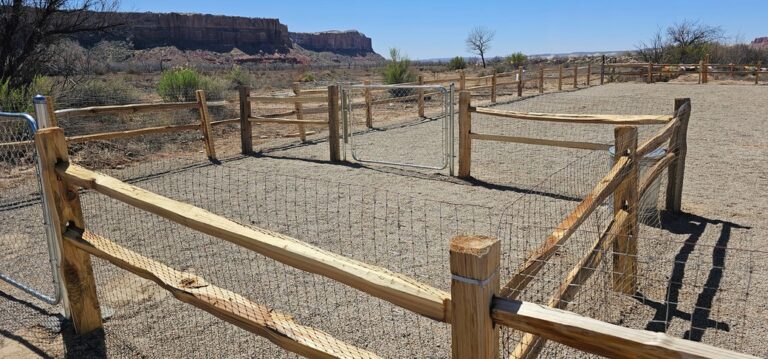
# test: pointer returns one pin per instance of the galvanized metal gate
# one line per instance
(399, 125)
(28, 252)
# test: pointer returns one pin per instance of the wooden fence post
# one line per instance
(64, 205)
(333, 122)
(421, 96)
(520, 81)
(650, 73)
(613, 74)
(701, 71)
(576, 76)
(602, 70)
(474, 262)
(676, 171)
(589, 73)
(368, 104)
(493, 87)
(705, 69)
(757, 72)
(541, 79)
(462, 80)
(626, 198)
(246, 131)
(205, 125)
(560, 78)
(299, 108)
(465, 128)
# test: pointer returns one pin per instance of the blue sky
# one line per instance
(428, 29)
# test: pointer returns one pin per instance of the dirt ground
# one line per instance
(702, 275)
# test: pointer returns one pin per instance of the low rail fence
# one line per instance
(655, 72)
(476, 306)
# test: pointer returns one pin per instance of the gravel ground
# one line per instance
(702, 277)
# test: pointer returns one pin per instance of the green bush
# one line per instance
(179, 85)
(19, 99)
(239, 76)
(398, 69)
(457, 63)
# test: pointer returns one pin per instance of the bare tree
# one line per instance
(655, 49)
(689, 37)
(30, 28)
(479, 41)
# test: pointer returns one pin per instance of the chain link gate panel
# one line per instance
(27, 250)
(400, 125)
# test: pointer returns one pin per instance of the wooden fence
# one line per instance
(653, 72)
(475, 307)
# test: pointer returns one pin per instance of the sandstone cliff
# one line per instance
(760, 42)
(344, 42)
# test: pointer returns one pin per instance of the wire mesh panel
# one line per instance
(24, 245)
(399, 125)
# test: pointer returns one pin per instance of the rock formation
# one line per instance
(343, 42)
(760, 42)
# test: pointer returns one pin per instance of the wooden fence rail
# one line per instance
(475, 307)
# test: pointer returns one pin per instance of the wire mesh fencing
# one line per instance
(392, 125)
(24, 248)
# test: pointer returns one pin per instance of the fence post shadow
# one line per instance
(694, 226)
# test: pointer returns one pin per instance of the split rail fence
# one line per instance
(476, 306)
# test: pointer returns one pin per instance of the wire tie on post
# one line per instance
(473, 281)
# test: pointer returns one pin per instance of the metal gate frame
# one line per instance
(54, 252)
(448, 118)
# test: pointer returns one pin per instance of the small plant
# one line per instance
(306, 76)
(398, 71)
(457, 63)
(517, 59)
(239, 76)
(19, 99)
(179, 85)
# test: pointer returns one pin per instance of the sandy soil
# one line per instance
(702, 277)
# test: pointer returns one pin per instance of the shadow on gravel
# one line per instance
(500, 187)
(693, 226)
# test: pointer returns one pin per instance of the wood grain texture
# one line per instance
(539, 141)
(465, 139)
(205, 125)
(658, 139)
(652, 173)
(376, 281)
(189, 288)
(63, 201)
(125, 109)
(288, 100)
(474, 262)
(536, 261)
(626, 199)
(333, 123)
(246, 129)
(286, 121)
(597, 337)
(679, 144)
(298, 107)
(578, 118)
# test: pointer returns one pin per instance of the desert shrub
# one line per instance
(99, 92)
(457, 63)
(239, 76)
(306, 76)
(398, 71)
(517, 59)
(19, 99)
(179, 85)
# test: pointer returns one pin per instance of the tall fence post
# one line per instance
(650, 73)
(576, 76)
(520, 81)
(474, 262)
(368, 104)
(205, 125)
(757, 72)
(602, 70)
(679, 144)
(246, 131)
(560, 78)
(333, 122)
(626, 198)
(421, 96)
(493, 87)
(705, 70)
(64, 205)
(465, 128)
(299, 108)
(589, 73)
(541, 79)
(462, 80)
